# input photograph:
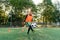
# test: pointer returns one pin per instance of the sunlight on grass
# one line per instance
(39, 34)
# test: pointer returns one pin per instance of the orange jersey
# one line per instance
(29, 18)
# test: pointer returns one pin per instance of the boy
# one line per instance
(28, 20)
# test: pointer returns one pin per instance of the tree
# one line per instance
(18, 6)
(47, 11)
(49, 14)
(3, 17)
(21, 4)
(47, 2)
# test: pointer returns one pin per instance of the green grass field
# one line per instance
(39, 34)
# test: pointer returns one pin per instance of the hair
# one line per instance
(29, 11)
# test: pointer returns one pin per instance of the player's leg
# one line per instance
(31, 28)
(28, 30)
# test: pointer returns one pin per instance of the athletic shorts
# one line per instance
(28, 24)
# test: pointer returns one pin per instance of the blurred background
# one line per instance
(46, 13)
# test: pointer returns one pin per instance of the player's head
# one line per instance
(30, 11)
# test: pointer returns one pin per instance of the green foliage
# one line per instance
(3, 17)
(47, 2)
(20, 4)
(49, 13)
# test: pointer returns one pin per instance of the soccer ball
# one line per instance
(34, 25)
